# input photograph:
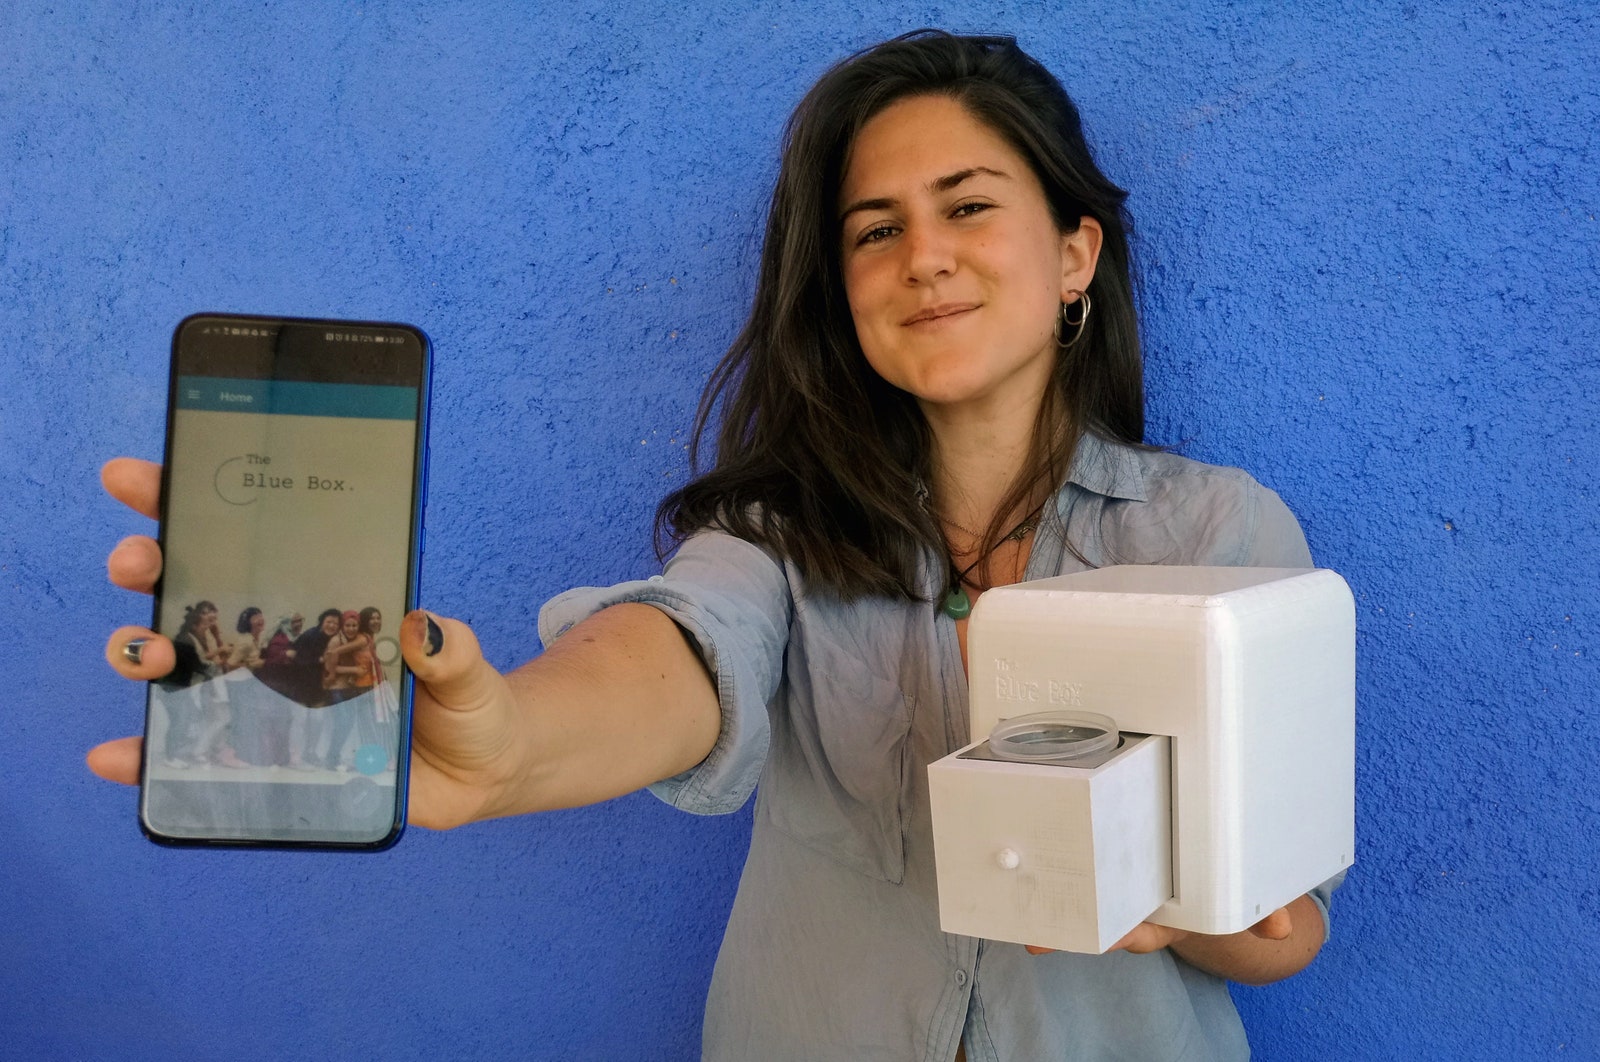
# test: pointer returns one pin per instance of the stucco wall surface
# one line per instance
(1368, 247)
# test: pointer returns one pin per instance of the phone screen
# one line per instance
(290, 525)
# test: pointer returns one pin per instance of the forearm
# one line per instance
(620, 701)
(1253, 960)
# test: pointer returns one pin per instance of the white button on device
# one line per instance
(1008, 858)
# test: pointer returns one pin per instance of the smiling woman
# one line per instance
(937, 213)
(954, 268)
(938, 390)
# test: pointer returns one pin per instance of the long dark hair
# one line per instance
(819, 459)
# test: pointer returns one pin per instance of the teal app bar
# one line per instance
(298, 398)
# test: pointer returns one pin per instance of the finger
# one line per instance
(1147, 937)
(135, 563)
(444, 655)
(117, 761)
(1137, 940)
(134, 483)
(1034, 949)
(1276, 926)
(139, 653)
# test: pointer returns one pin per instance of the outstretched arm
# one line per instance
(622, 700)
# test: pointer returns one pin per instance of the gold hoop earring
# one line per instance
(1063, 322)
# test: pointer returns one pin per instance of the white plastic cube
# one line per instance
(1251, 674)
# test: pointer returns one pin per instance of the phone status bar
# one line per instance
(238, 330)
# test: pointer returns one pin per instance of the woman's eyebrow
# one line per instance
(938, 184)
(949, 181)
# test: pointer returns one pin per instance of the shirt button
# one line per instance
(961, 977)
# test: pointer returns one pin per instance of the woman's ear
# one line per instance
(1080, 251)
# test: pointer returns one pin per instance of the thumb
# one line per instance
(1276, 926)
(445, 657)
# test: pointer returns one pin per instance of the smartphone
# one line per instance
(291, 528)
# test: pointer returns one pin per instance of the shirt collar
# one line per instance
(1109, 468)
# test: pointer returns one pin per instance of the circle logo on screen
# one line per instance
(372, 759)
(230, 483)
(388, 649)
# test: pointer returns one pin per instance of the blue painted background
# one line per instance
(1368, 240)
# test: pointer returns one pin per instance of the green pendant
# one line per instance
(957, 605)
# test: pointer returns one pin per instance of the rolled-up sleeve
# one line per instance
(1322, 896)
(732, 599)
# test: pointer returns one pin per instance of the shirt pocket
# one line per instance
(838, 768)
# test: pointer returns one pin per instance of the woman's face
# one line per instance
(375, 622)
(352, 625)
(208, 617)
(258, 623)
(954, 269)
(330, 625)
(296, 624)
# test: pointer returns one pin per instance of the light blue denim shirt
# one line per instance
(833, 949)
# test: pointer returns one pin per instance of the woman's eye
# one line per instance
(967, 210)
(876, 233)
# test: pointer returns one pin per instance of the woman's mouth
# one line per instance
(939, 312)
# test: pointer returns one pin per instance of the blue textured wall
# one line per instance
(1369, 244)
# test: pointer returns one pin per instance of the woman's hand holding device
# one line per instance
(1279, 945)
(484, 744)
(460, 718)
(462, 705)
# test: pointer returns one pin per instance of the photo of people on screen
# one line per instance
(302, 698)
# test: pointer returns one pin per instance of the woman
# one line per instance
(192, 705)
(938, 391)
(277, 659)
(365, 670)
(248, 650)
(309, 666)
(340, 671)
(201, 637)
(284, 633)
(346, 675)
(245, 660)
(307, 725)
(277, 674)
(381, 714)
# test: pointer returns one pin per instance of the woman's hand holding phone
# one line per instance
(465, 752)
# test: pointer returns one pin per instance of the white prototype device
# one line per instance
(1156, 743)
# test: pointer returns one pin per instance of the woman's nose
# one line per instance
(930, 253)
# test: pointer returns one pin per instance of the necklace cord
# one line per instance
(958, 576)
